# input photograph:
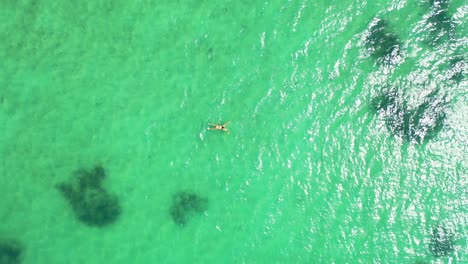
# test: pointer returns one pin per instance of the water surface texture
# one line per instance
(348, 136)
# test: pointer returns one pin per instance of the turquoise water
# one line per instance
(310, 172)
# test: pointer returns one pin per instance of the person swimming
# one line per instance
(219, 127)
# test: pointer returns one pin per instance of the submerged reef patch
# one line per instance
(382, 43)
(186, 204)
(413, 125)
(91, 203)
(458, 68)
(441, 243)
(439, 22)
(10, 252)
(439, 3)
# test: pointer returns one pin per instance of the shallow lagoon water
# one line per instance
(311, 171)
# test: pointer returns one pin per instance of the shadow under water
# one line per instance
(413, 125)
(441, 243)
(91, 203)
(10, 252)
(185, 205)
(383, 44)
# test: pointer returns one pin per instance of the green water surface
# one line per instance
(309, 172)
